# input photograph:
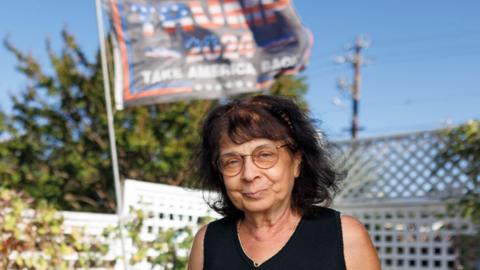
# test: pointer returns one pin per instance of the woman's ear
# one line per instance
(297, 161)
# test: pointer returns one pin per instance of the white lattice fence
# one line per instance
(400, 166)
(397, 186)
(411, 235)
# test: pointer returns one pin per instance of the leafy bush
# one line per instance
(169, 248)
(463, 145)
(33, 237)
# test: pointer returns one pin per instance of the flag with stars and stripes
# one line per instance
(167, 51)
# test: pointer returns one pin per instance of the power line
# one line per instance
(402, 41)
(383, 130)
(323, 71)
(388, 43)
(439, 47)
(415, 102)
(426, 58)
(421, 39)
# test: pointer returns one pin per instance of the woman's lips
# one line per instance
(254, 194)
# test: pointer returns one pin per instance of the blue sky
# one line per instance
(423, 62)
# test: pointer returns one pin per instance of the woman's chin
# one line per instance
(255, 206)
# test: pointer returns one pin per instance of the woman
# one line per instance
(272, 171)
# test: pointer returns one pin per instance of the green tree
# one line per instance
(57, 144)
(291, 87)
(463, 145)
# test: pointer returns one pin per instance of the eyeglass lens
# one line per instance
(264, 157)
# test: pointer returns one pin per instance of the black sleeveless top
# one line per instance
(316, 244)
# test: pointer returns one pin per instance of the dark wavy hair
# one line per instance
(275, 118)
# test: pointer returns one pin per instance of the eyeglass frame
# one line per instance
(219, 167)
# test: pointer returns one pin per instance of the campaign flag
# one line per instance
(203, 49)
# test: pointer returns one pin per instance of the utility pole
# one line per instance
(355, 59)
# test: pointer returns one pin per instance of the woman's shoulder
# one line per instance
(353, 231)
(358, 248)
(215, 226)
(195, 262)
(221, 225)
(352, 226)
(319, 212)
(197, 252)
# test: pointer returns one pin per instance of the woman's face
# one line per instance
(258, 190)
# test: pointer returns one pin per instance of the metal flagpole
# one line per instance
(111, 131)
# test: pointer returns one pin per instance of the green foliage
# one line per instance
(34, 238)
(168, 249)
(469, 250)
(58, 147)
(463, 145)
(291, 87)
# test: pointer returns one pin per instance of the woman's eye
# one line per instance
(265, 154)
(231, 162)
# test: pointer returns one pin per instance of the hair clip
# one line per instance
(283, 115)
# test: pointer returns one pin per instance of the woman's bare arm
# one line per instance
(359, 252)
(195, 262)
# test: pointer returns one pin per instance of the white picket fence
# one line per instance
(164, 207)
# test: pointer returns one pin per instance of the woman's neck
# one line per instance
(265, 225)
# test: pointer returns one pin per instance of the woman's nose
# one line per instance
(250, 170)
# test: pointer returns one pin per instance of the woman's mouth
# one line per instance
(254, 194)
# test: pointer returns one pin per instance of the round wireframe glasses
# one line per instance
(264, 157)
